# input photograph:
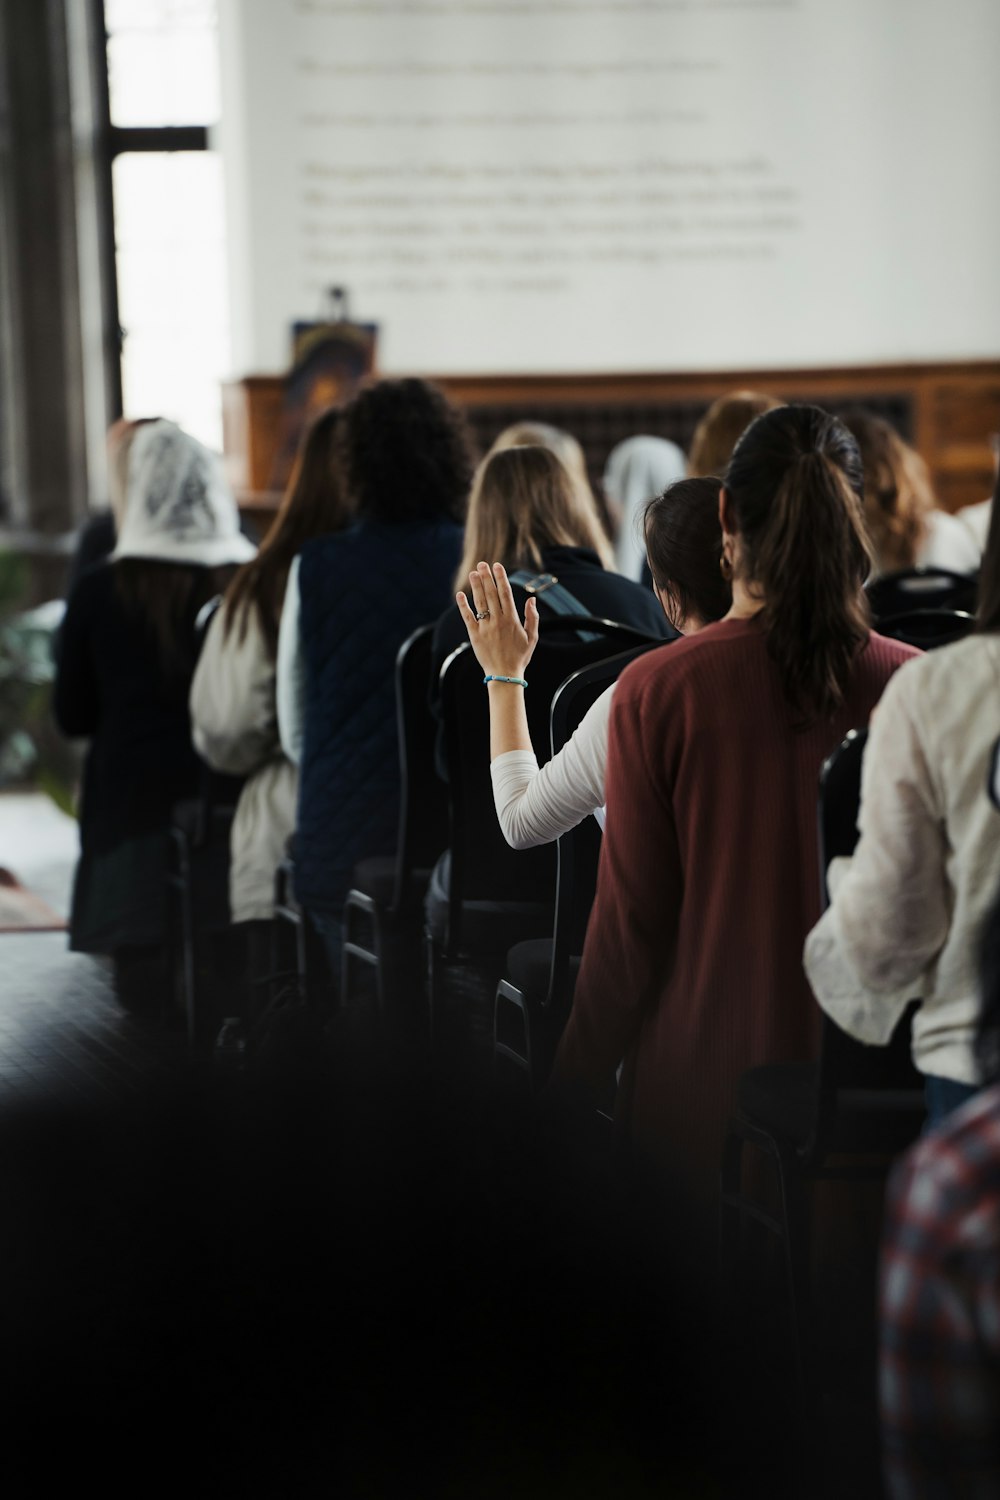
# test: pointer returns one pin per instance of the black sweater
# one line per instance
(111, 687)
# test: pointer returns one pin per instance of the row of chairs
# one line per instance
(493, 902)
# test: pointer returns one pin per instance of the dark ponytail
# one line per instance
(684, 547)
(796, 488)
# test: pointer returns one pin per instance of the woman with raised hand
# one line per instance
(127, 651)
(233, 696)
(692, 969)
(535, 806)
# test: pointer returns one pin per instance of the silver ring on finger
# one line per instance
(482, 614)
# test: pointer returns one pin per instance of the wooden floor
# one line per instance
(64, 1040)
(373, 1287)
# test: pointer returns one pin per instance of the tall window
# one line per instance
(163, 86)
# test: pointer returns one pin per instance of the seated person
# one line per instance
(126, 655)
(351, 601)
(233, 701)
(525, 512)
(905, 527)
(721, 428)
(907, 909)
(684, 545)
(636, 471)
(939, 1382)
(570, 454)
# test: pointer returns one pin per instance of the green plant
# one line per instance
(29, 748)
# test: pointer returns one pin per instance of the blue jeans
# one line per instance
(944, 1095)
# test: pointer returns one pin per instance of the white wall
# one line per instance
(574, 185)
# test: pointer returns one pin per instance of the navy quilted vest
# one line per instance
(362, 593)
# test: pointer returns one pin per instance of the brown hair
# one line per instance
(523, 500)
(120, 437)
(570, 454)
(988, 610)
(163, 599)
(721, 428)
(684, 547)
(407, 453)
(314, 504)
(795, 487)
(898, 493)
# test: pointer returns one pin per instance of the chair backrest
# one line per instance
(578, 851)
(423, 801)
(928, 628)
(921, 588)
(845, 1063)
(483, 866)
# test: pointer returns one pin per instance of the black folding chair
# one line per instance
(533, 1001)
(921, 588)
(484, 896)
(928, 628)
(843, 1117)
(386, 893)
(201, 945)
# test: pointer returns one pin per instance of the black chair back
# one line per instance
(578, 851)
(423, 803)
(921, 588)
(928, 628)
(844, 1062)
(483, 865)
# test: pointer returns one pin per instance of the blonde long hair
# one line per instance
(523, 500)
(721, 428)
(570, 454)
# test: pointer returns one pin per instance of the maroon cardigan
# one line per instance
(708, 885)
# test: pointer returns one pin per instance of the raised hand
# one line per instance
(503, 646)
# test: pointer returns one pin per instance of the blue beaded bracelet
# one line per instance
(518, 680)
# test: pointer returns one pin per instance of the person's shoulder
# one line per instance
(333, 544)
(956, 671)
(949, 544)
(662, 666)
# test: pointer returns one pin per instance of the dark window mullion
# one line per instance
(157, 138)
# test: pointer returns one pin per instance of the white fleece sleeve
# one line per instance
(535, 805)
(889, 914)
(291, 671)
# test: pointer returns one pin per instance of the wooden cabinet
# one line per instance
(949, 413)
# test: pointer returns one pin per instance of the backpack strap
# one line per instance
(546, 587)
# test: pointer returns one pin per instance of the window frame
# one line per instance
(114, 141)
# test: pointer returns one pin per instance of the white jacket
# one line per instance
(907, 910)
(235, 730)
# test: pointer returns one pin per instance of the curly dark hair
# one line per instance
(407, 453)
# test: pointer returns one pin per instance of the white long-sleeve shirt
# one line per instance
(290, 687)
(535, 805)
(907, 910)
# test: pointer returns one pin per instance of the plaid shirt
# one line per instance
(939, 1379)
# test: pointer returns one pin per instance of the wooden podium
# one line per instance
(948, 411)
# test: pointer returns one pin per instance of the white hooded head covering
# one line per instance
(637, 470)
(178, 506)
